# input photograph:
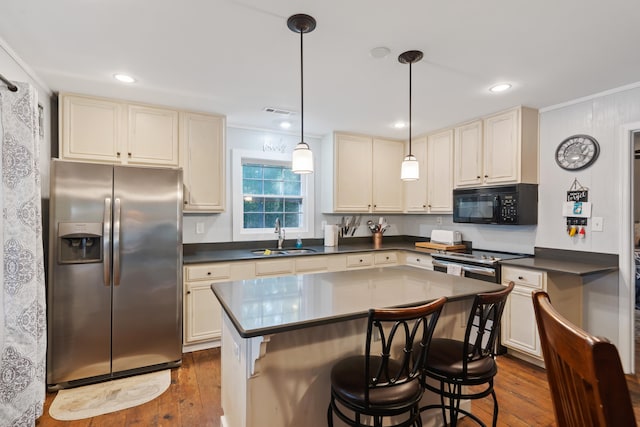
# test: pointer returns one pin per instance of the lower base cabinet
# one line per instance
(202, 314)
(519, 328)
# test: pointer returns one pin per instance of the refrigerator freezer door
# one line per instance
(79, 303)
(147, 298)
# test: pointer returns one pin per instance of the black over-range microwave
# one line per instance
(506, 204)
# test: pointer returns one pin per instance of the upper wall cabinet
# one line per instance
(500, 149)
(111, 131)
(432, 193)
(363, 174)
(203, 146)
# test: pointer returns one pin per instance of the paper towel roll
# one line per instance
(331, 235)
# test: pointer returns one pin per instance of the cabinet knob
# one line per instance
(424, 206)
(417, 259)
(520, 278)
(361, 260)
(387, 258)
(186, 203)
(129, 154)
(486, 176)
(208, 273)
(188, 292)
(429, 206)
(478, 177)
(118, 153)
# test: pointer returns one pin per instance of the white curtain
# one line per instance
(22, 300)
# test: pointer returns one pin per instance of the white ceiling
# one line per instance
(236, 57)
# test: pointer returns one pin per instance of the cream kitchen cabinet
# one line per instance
(152, 137)
(509, 149)
(418, 260)
(468, 157)
(519, 328)
(202, 312)
(365, 174)
(203, 161)
(432, 193)
(91, 129)
(111, 131)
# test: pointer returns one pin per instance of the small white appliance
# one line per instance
(446, 237)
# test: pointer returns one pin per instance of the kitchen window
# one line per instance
(264, 188)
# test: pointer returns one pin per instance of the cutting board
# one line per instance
(441, 246)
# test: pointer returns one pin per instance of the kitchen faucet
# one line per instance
(280, 232)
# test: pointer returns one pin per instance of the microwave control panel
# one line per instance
(508, 210)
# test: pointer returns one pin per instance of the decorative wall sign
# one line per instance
(577, 194)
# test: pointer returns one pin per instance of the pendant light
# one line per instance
(302, 158)
(410, 170)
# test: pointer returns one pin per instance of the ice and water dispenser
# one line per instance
(79, 242)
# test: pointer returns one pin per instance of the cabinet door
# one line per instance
(203, 143)
(519, 329)
(353, 173)
(152, 136)
(468, 155)
(387, 185)
(415, 192)
(90, 129)
(440, 172)
(202, 313)
(502, 148)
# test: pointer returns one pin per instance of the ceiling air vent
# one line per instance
(278, 111)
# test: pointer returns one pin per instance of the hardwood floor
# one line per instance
(193, 398)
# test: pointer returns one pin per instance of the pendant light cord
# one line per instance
(410, 63)
(301, 90)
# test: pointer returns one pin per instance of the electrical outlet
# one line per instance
(439, 220)
(200, 228)
(597, 223)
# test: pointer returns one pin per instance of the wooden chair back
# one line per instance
(586, 380)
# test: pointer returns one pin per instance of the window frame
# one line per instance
(238, 157)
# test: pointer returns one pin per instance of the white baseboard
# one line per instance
(188, 348)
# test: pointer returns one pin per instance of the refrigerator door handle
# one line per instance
(106, 241)
(116, 242)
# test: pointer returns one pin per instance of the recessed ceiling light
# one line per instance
(379, 52)
(285, 124)
(399, 125)
(124, 78)
(500, 87)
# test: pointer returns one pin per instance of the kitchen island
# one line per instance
(281, 335)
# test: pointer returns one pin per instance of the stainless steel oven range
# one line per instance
(477, 264)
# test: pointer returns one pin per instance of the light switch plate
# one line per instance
(596, 223)
(200, 228)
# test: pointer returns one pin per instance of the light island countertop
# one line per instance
(271, 305)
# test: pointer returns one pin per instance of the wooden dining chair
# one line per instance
(587, 384)
(384, 382)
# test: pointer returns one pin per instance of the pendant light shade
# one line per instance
(302, 158)
(410, 170)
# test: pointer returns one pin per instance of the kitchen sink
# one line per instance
(268, 252)
(292, 251)
(299, 251)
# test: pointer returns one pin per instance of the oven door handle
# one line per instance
(484, 271)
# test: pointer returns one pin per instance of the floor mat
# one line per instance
(110, 396)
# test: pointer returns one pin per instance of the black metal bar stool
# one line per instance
(456, 364)
(385, 381)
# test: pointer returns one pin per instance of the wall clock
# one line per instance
(577, 152)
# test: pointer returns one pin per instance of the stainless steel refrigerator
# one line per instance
(114, 289)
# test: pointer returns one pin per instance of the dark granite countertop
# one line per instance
(270, 305)
(238, 251)
(563, 261)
